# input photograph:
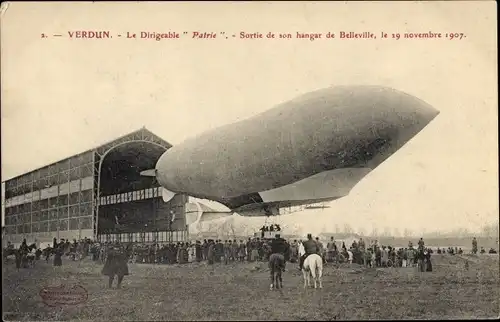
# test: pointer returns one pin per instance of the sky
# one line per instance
(61, 96)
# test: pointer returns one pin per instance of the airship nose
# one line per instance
(422, 115)
(412, 117)
(160, 167)
(426, 114)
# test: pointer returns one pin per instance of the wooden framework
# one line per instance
(65, 195)
(160, 237)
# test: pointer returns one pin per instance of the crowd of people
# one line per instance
(115, 255)
(474, 249)
(227, 251)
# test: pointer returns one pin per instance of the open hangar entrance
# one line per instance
(129, 206)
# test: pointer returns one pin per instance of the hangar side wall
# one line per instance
(54, 201)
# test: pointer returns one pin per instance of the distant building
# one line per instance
(98, 194)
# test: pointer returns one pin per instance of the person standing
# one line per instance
(254, 255)
(23, 252)
(227, 252)
(277, 259)
(58, 252)
(474, 246)
(242, 251)
(321, 251)
(204, 248)
(294, 250)
(330, 249)
(210, 252)
(362, 250)
(199, 251)
(219, 251)
(405, 258)
(234, 251)
(249, 248)
(384, 257)
(116, 264)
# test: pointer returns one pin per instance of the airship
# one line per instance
(313, 148)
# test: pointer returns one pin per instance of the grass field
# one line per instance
(241, 292)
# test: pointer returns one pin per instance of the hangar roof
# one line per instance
(141, 135)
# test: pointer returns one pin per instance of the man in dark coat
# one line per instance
(428, 263)
(219, 251)
(279, 250)
(211, 251)
(24, 250)
(249, 248)
(278, 247)
(198, 251)
(474, 246)
(58, 253)
(116, 264)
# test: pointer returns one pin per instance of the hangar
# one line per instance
(97, 194)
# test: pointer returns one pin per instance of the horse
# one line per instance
(313, 265)
(7, 252)
(276, 266)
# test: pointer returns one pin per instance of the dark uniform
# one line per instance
(23, 251)
(58, 252)
(279, 246)
(210, 251)
(428, 263)
(279, 250)
(116, 264)
(310, 247)
(421, 245)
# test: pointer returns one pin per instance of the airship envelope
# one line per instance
(316, 147)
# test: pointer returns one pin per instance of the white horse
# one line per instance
(313, 265)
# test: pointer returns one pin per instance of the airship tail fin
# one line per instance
(167, 195)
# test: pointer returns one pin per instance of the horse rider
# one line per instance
(421, 245)
(310, 247)
(24, 247)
